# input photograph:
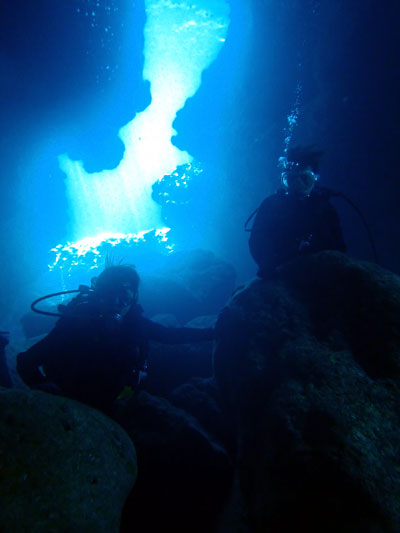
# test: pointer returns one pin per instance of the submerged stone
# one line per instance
(63, 466)
(308, 366)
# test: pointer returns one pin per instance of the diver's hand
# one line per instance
(305, 244)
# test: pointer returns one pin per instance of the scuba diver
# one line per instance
(298, 219)
(97, 351)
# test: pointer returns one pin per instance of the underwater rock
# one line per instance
(184, 475)
(207, 276)
(172, 365)
(166, 319)
(309, 365)
(63, 466)
(160, 295)
(189, 284)
(201, 398)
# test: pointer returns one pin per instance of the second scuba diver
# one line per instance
(298, 219)
(99, 346)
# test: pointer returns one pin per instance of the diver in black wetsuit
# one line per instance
(98, 348)
(298, 219)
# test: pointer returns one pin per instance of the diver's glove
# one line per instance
(126, 393)
(305, 245)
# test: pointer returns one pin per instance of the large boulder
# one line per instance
(63, 466)
(309, 369)
(201, 398)
(189, 284)
(185, 471)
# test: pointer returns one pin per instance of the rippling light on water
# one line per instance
(182, 38)
(92, 251)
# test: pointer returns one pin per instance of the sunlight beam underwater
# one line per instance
(182, 38)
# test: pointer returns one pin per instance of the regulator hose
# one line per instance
(83, 289)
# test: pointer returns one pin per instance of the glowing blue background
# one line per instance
(181, 40)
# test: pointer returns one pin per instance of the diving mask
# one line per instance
(299, 181)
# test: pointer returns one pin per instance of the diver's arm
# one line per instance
(28, 364)
(167, 335)
(30, 361)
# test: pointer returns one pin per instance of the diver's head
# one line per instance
(117, 287)
(300, 170)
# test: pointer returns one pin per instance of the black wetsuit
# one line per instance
(91, 357)
(287, 226)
